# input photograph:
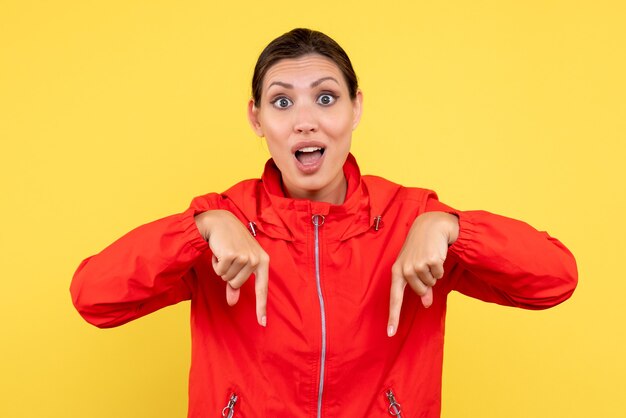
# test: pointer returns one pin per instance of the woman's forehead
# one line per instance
(303, 70)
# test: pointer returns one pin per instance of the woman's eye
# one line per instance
(326, 99)
(282, 102)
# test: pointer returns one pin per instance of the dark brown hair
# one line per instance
(296, 43)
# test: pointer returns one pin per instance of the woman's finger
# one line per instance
(221, 265)
(232, 295)
(419, 285)
(436, 270)
(237, 263)
(396, 296)
(415, 280)
(241, 276)
(427, 299)
(261, 284)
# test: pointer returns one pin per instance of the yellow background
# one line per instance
(114, 113)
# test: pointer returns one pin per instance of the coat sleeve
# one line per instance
(147, 269)
(506, 261)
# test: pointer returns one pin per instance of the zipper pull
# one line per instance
(318, 220)
(378, 222)
(252, 228)
(394, 407)
(229, 410)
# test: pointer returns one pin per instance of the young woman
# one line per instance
(297, 280)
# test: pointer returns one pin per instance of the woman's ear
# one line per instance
(253, 118)
(357, 108)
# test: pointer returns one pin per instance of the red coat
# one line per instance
(325, 351)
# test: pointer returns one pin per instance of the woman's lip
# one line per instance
(309, 168)
(306, 144)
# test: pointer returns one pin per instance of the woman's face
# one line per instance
(307, 117)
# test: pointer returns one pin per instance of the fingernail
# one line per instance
(390, 331)
(264, 320)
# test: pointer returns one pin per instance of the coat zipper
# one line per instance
(318, 220)
(229, 410)
(394, 406)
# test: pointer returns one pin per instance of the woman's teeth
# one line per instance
(309, 149)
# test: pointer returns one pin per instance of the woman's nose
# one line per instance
(305, 120)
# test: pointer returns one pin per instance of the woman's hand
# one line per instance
(420, 262)
(236, 255)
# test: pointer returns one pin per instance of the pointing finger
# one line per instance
(261, 283)
(395, 303)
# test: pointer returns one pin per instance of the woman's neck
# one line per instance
(334, 194)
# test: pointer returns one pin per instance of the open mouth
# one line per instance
(309, 155)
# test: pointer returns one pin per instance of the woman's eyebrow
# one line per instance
(313, 84)
(280, 83)
(321, 80)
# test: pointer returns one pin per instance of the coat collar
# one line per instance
(289, 219)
